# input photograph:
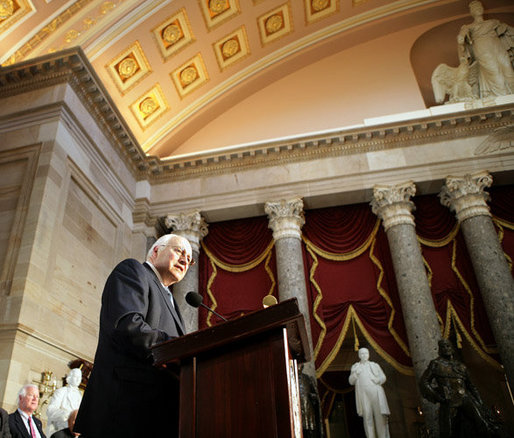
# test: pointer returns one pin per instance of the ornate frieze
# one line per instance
(285, 217)
(466, 196)
(392, 203)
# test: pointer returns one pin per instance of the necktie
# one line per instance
(32, 431)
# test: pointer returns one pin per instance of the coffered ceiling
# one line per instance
(168, 64)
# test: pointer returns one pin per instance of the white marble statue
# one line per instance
(459, 83)
(63, 401)
(370, 397)
(486, 54)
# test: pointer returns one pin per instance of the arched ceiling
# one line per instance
(169, 64)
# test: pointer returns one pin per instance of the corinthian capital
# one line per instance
(190, 225)
(466, 196)
(285, 218)
(392, 203)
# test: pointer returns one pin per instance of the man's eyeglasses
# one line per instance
(181, 252)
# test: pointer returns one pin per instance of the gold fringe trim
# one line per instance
(442, 242)
(386, 297)
(453, 320)
(348, 255)
(352, 315)
(215, 262)
(316, 304)
(471, 298)
(500, 224)
(239, 268)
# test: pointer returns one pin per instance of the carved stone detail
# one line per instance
(285, 217)
(466, 196)
(190, 225)
(392, 203)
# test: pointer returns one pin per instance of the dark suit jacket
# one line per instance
(126, 396)
(17, 426)
(4, 424)
(63, 433)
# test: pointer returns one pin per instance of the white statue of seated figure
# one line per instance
(63, 401)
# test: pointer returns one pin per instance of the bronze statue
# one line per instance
(461, 411)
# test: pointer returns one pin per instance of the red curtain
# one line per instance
(237, 268)
(349, 275)
(351, 285)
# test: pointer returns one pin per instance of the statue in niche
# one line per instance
(63, 401)
(461, 410)
(370, 398)
(486, 54)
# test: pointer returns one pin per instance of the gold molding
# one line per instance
(190, 75)
(275, 24)
(173, 34)
(232, 48)
(216, 12)
(149, 107)
(129, 68)
(318, 9)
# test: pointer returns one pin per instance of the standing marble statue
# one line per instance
(486, 55)
(63, 401)
(370, 397)
(488, 42)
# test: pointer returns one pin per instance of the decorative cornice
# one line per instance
(71, 66)
(466, 196)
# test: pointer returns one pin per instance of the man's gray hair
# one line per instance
(23, 392)
(161, 241)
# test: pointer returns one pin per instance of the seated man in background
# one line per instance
(4, 424)
(22, 422)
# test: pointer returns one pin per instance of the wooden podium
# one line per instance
(239, 379)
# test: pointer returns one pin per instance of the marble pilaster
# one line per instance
(392, 204)
(286, 220)
(466, 196)
(193, 227)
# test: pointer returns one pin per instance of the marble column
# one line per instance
(192, 226)
(286, 220)
(466, 196)
(392, 204)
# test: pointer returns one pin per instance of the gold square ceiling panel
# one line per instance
(232, 48)
(317, 9)
(190, 75)
(129, 67)
(216, 12)
(149, 107)
(173, 34)
(275, 24)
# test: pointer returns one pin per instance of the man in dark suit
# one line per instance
(4, 424)
(21, 422)
(126, 396)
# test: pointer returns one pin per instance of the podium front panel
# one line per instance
(240, 391)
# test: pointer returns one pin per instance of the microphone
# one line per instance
(194, 299)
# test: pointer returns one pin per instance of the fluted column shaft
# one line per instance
(466, 196)
(286, 220)
(392, 204)
(192, 226)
